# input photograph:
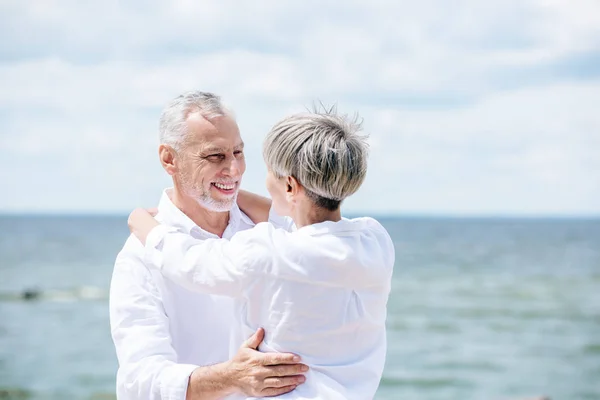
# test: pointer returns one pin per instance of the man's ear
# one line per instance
(167, 157)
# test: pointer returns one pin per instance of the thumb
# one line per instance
(255, 340)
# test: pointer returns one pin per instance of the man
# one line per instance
(171, 343)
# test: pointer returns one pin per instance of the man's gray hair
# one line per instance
(172, 127)
(323, 150)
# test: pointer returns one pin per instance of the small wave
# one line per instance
(10, 393)
(423, 382)
(592, 349)
(62, 295)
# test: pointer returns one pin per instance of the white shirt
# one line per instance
(320, 292)
(162, 331)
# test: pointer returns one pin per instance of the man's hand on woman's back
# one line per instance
(254, 373)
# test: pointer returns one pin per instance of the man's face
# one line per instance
(212, 162)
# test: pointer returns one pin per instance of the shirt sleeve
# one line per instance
(212, 266)
(148, 368)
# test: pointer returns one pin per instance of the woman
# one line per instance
(320, 289)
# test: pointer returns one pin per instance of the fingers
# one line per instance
(132, 219)
(280, 358)
(152, 211)
(136, 215)
(270, 392)
(285, 370)
(284, 381)
(254, 341)
(273, 373)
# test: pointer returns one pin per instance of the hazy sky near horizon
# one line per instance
(472, 107)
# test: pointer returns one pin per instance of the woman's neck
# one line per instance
(307, 213)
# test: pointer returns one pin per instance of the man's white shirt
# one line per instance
(320, 292)
(162, 331)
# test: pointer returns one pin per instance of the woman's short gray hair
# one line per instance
(323, 150)
(172, 125)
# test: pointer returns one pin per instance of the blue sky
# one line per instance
(472, 107)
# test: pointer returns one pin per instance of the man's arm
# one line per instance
(148, 368)
(254, 206)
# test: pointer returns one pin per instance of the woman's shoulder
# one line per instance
(263, 235)
(374, 230)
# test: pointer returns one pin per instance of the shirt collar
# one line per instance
(169, 213)
(327, 227)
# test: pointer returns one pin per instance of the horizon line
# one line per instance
(391, 214)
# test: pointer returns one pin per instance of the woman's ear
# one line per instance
(292, 185)
(291, 188)
(166, 154)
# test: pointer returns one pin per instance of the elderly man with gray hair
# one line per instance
(320, 288)
(172, 343)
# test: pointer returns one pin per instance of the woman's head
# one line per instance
(321, 152)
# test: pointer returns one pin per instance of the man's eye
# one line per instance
(238, 152)
(216, 157)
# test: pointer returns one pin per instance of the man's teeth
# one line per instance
(225, 186)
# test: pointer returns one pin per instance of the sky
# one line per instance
(472, 107)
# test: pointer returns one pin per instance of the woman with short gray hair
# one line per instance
(320, 289)
(324, 151)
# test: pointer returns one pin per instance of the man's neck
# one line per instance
(211, 221)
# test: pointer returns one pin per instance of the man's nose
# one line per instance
(233, 168)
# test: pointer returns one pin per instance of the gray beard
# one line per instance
(217, 205)
(205, 200)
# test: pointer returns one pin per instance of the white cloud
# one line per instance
(529, 151)
(472, 107)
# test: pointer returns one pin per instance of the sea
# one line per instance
(480, 308)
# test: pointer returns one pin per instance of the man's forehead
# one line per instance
(196, 122)
(213, 141)
(215, 146)
(220, 133)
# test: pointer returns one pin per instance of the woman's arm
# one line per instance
(213, 266)
(141, 222)
(254, 206)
